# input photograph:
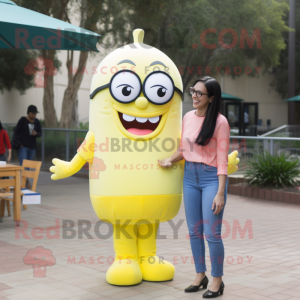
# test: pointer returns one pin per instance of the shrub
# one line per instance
(84, 125)
(55, 144)
(265, 169)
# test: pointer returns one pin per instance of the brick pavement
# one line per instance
(265, 266)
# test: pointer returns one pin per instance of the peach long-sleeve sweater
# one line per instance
(215, 152)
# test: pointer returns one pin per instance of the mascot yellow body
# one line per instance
(135, 119)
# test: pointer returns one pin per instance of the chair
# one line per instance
(4, 192)
(30, 174)
(25, 174)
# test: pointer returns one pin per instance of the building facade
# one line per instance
(270, 108)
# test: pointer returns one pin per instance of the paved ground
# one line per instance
(263, 266)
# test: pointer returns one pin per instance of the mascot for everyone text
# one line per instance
(135, 119)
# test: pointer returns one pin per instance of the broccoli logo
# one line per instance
(97, 166)
(39, 258)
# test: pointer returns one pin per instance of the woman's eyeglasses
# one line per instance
(198, 93)
(126, 86)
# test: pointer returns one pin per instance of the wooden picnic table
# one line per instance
(14, 171)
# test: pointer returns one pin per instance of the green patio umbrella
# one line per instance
(22, 28)
(230, 97)
(296, 98)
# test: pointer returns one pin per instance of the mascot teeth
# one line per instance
(154, 119)
(141, 120)
(129, 118)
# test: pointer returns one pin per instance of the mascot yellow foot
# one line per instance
(124, 272)
(156, 269)
(153, 268)
(136, 258)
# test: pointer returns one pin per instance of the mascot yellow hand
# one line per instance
(63, 169)
(232, 162)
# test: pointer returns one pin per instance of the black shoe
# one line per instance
(210, 294)
(195, 288)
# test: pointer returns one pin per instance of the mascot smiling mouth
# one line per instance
(138, 125)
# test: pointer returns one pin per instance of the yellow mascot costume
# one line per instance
(135, 119)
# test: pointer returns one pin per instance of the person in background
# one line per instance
(246, 120)
(27, 130)
(4, 144)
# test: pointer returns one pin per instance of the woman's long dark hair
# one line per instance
(1, 127)
(209, 123)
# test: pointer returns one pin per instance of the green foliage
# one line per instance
(43, 124)
(13, 61)
(53, 8)
(267, 170)
(84, 125)
(56, 62)
(55, 144)
(280, 83)
(12, 64)
(175, 26)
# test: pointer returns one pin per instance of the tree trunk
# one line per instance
(75, 113)
(68, 117)
(90, 14)
(48, 99)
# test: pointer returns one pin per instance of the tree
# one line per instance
(57, 9)
(92, 12)
(95, 16)
(280, 83)
(12, 63)
(201, 36)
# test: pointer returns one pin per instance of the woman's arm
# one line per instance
(223, 138)
(218, 203)
(39, 129)
(8, 145)
(222, 183)
(167, 162)
(177, 156)
(9, 156)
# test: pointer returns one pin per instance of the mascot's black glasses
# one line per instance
(126, 86)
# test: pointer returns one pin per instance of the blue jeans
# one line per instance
(25, 153)
(200, 186)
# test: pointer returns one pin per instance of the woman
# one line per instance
(4, 144)
(204, 146)
(25, 134)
